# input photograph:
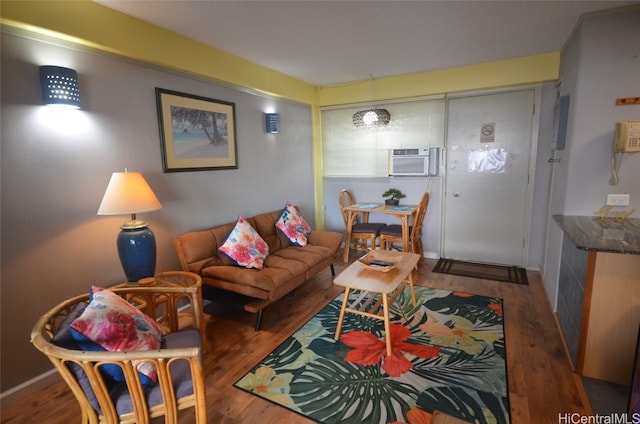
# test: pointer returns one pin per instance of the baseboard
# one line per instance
(567, 352)
(583, 394)
(29, 387)
(577, 377)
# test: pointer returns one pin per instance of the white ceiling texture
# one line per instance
(334, 42)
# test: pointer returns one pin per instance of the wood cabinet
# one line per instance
(599, 295)
(611, 313)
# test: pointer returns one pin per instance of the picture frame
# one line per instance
(196, 133)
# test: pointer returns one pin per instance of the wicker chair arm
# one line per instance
(50, 349)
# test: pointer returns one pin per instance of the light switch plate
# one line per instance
(618, 199)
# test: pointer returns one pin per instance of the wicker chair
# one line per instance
(393, 233)
(179, 361)
(362, 230)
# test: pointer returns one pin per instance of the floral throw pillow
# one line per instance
(293, 225)
(111, 323)
(244, 246)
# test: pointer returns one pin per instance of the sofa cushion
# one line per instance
(276, 271)
(293, 225)
(111, 323)
(308, 255)
(265, 225)
(244, 246)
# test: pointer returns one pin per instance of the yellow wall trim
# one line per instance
(490, 75)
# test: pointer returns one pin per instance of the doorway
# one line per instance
(486, 199)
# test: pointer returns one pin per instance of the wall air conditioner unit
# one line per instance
(413, 162)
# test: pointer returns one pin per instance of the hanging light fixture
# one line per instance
(371, 118)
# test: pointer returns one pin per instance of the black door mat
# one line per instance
(508, 274)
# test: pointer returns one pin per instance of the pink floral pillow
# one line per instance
(244, 246)
(111, 323)
(293, 225)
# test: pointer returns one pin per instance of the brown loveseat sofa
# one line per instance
(286, 267)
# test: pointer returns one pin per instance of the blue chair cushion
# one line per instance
(64, 339)
(180, 374)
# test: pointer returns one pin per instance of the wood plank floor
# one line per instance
(541, 383)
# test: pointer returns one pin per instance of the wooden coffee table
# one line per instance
(376, 286)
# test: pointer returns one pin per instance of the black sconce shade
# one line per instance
(59, 86)
(272, 123)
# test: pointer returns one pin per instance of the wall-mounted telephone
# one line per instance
(627, 138)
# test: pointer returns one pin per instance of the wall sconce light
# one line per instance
(272, 123)
(60, 86)
(371, 118)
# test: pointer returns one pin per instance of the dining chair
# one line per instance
(362, 230)
(391, 235)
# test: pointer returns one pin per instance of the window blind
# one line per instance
(350, 151)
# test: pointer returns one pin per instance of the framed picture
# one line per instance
(196, 133)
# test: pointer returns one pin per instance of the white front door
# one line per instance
(487, 177)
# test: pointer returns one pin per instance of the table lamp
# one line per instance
(129, 193)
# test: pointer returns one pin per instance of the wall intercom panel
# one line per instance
(627, 138)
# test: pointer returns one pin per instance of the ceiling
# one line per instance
(329, 42)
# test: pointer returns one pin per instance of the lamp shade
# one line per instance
(128, 193)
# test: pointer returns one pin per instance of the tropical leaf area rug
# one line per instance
(507, 274)
(448, 355)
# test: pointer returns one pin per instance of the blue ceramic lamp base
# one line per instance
(137, 250)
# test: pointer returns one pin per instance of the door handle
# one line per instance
(456, 194)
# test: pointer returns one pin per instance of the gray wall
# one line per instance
(53, 178)
(600, 63)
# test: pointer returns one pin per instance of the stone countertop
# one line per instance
(609, 235)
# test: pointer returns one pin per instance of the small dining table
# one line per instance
(402, 212)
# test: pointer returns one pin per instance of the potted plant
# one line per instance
(393, 196)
